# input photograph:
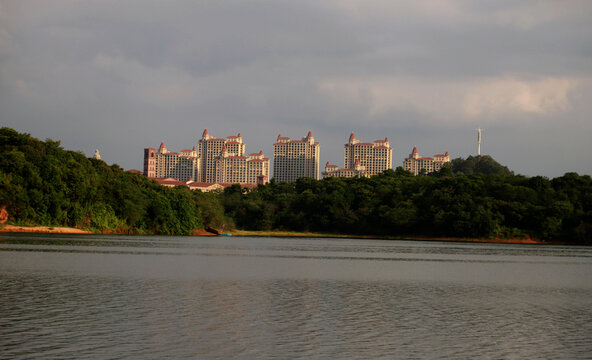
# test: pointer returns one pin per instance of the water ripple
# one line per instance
(55, 307)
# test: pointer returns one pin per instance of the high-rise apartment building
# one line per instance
(210, 148)
(417, 164)
(373, 157)
(215, 161)
(182, 166)
(293, 159)
(252, 169)
(164, 164)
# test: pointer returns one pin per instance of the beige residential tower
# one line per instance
(293, 159)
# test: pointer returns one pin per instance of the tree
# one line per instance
(483, 164)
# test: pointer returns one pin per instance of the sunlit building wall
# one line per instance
(374, 157)
(294, 159)
(417, 164)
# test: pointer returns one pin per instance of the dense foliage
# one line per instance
(40, 183)
(396, 203)
(479, 165)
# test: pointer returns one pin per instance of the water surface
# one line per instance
(104, 297)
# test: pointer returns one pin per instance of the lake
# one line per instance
(153, 297)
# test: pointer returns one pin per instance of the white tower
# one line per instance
(97, 155)
(479, 141)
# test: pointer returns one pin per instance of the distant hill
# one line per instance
(482, 164)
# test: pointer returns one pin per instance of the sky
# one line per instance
(120, 76)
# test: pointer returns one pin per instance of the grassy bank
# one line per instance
(278, 233)
(271, 233)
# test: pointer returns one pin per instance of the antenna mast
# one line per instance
(479, 142)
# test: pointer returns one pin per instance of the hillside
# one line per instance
(43, 184)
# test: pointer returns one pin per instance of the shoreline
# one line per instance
(42, 229)
(525, 240)
(290, 234)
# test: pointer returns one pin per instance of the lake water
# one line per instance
(149, 297)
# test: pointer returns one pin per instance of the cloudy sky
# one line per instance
(124, 75)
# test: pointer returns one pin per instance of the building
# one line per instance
(203, 187)
(210, 149)
(417, 164)
(252, 169)
(215, 161)
(293, 159)
(333, 170)
(164, 164)
(373, 157)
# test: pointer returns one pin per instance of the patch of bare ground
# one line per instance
(42, 229)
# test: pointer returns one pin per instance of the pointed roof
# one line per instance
(309, 134)
(261, 152)
(352, 136)
(205, 133)
(239, 135)
(414, 150)
(386, 139)
(279, 136)
(446, 154)
(162, 145)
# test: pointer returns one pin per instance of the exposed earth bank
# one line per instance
(42, 229)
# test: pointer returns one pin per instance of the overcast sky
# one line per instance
(124, 75)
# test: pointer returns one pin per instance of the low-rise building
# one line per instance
(333, 170)
(201, 186)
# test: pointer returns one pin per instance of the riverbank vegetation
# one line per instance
(43, 184)
(398, 204)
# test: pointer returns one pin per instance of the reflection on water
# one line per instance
(155, 297)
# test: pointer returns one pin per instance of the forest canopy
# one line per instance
(43, 184)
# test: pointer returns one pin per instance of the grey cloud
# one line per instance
(121, 76)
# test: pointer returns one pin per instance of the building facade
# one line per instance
(203, 187)
(161, 163)
(333, 170)
(417, 164)
(293, 159)
(373, 157)
(210, 149)
(215, 161)
(252, 169)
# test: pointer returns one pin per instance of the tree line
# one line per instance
(43, 184)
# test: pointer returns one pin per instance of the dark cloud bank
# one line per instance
(121, 76)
